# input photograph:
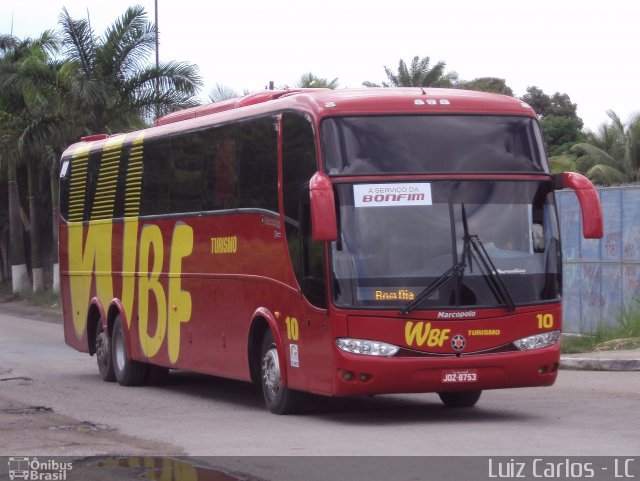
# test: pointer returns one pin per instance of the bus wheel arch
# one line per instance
(263, 322)
(259, 326)
(98, 341)
(93, 320)
(115, 310)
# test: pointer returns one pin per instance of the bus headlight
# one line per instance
(538, 341)
(366, 347)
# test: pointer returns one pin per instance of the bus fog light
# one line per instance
(538, 341)
(366, 347)
(347, 375)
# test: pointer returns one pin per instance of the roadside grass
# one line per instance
(46, 298)
(5, 289)
(624, 335)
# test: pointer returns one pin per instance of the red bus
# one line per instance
(338, 242)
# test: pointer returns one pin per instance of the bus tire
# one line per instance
(156, 375)
(128, 372)
(463, 399)
(103, 355)
(278, 398)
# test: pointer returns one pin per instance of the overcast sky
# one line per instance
(587, 49)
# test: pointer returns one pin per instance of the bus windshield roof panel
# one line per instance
(338, 102)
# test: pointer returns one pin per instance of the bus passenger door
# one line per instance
(311, 337)
(307, 325)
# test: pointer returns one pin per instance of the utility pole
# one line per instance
(157, 43)
(157, 61)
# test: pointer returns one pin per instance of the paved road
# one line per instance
(585, 413)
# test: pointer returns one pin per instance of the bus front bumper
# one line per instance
(367, 375)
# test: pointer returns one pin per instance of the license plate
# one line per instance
(459, 375)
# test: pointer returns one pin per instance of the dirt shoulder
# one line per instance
(38, 430)
(20, 307)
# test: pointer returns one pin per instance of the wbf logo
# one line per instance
(34, 470)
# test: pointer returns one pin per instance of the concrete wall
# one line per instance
(600, 277)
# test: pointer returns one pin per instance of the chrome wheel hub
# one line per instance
(119, 350)
(271, 373)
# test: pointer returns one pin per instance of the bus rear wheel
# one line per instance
(278, 398)
(103, 355)
(464, 399)
(127, 372)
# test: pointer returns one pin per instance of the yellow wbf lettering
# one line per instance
(90, 252)
(89, 258)
(129, 250)
(149, 282)
(179, 307)
(173, 309)
(422, 333)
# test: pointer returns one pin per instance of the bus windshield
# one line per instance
(396, 239)
(432, 143)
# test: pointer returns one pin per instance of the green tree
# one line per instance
(611, 155)
(561, 126)
(560, 134)
(556, 105)
(102, 84)
(26, 65)
(111, 80)
(486, 84)
(308, 80)
(419, 74)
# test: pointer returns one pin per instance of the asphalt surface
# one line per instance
(32, 427)
(612, 360)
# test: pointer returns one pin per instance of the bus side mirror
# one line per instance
(323, 209)
(588, 199)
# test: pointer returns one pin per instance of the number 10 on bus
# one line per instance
(292, 328)
(545, 321)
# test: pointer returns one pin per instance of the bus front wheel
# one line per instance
(278, 398)
(464, 399)
(128, 372)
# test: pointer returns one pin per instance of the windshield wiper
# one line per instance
(453, 271)
(473, 247)
(487, 267)
(491, 274)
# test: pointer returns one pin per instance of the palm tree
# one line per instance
(420, 74)
(104, 85)
(24, 66)
(308, 80)
(611, 155)
(46, 123)
(111, 79)
(222, 92)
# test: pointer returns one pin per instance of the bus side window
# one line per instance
(298, 166)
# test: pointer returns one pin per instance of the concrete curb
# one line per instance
(604, 361)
